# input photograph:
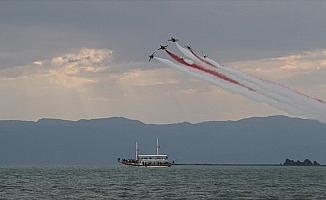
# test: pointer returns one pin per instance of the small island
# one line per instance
(306, 162)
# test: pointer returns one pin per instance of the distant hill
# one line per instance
(102, 141)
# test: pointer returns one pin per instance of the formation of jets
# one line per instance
(163, 47)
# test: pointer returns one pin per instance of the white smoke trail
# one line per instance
(233, 88)
(312, 108)
(187, 53)
(304, 105)
(237, 75)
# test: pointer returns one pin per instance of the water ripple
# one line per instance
(179, 182)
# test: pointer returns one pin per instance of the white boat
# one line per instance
(147, 160)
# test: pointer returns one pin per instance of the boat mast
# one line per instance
(157, 146)
(136, 150)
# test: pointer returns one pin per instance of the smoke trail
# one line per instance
(251, 87)
(310, 105)
(255, 80)
(186, 52)
(220, 82)
(269, 89)
(233, 88)
(201, 68)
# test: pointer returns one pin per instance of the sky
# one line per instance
(76, 59)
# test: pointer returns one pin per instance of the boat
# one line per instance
(147, 160)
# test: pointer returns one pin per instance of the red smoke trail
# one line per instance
(199, 67)
(201, 59)
(207, 62)
(321, 101)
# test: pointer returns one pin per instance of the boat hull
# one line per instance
(149, 165)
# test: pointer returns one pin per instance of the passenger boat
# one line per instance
(147, 160)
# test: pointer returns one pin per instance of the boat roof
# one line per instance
(153, 155)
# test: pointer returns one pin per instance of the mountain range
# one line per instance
(263, 140)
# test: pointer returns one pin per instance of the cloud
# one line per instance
(84, 60)
(64, 79)
(37, 62)
(286, 67)
(68, 70)
(153, 77)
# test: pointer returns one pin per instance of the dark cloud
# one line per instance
(227, 30)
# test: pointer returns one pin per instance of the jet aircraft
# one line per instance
(173, 39)
(151, 56)
(162, 47)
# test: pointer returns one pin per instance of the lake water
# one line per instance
(177, 182)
